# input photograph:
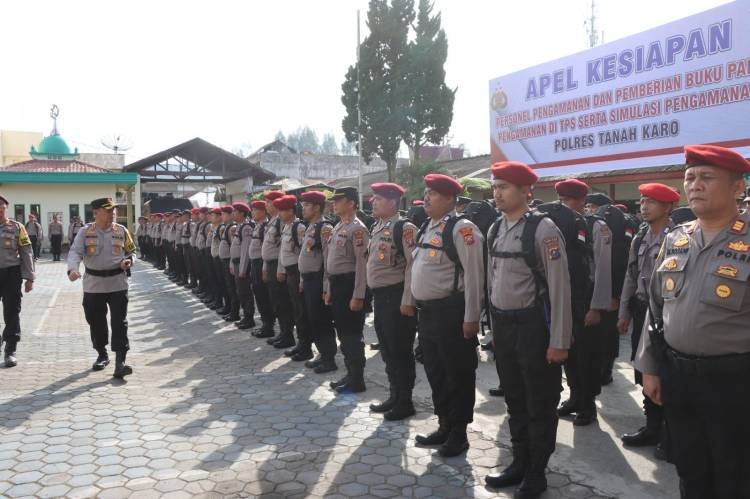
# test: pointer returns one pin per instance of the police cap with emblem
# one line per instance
(346, 193)
(105, 203)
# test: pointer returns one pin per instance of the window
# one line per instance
(73, 211)
(88, 213)
(20, 213)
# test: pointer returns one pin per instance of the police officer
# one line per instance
(226, 233)
(34, 230)
(316, 236)
(345, 287)
(201, 291)
(531, 326)
(292, 235)
(240, 264)
(55, 234)
(107, 251)
(217, 272)
(141, 233)
(695, 358)
(282, 307)
(192, 249)
(260, 289)
(73, 228)
(448, 286)
(182, 236)
(16, 265)
(656, 204)
(583, 367)
(159, 229)
(167, 241)
(389, 260)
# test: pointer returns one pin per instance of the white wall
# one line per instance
(54, 198)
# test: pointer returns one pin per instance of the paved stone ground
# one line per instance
(212, 412)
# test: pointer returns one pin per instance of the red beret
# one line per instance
(271, 195)
(204, 209)
(3, 200)
(418, 202)
(159, 215)
(287, 202)
(240, 206)
(572, 188)
(227, 208)
(621, 207)
(216, 211)
(659, 192)
(258, 205)
(716, 156)
(443, 184)
(195, 211)
(514, 172)
(388, 190)
(314, 197)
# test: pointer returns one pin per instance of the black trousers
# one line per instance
(244, 293)
(220, 287)
(349, 325)
(450, 360)
(35, 246)
(55, 242)
(282, 306)
(95, 308)
(168, 255)
(319, 315)
(10, 294)
(195, 266)
(707, 406)
(583, 368)
(262, 297)
(297, 300)
(654, 412)
(610, 341)
(532, 386)
(396, 334)
(233, 302)
(161, 255)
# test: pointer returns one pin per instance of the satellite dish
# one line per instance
(117, 144)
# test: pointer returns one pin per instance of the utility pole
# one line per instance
(359, 121)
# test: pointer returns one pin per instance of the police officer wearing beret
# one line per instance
(695, 356)
(260, 288)
(346, 287)
(449, 293)
(239, 253)
(16, 265)
(531, 326)
(389, 262)
(107, 251)
(310, 263)
(656, 204)
(583, 367)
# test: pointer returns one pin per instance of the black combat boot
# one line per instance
(534, 481)
(121, 369)
(403, 408)
(567, 408)
(387, 404)
(102, 360)
(10, 354)
(437, 437)
(355, 383)
(512, 475)
(457, 443)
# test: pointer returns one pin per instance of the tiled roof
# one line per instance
(54, 166)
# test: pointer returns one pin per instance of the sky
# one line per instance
(158, 73)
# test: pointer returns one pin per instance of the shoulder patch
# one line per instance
(468, 235)
(552, 245)
(409, 237)
(23, 236)
(359, 237)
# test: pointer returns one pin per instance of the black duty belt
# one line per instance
(517, 315)
(104, 273)
(452, 300)
(312, 275)
(236, 261)
(398, 287)
(727, 362)
(349, 276)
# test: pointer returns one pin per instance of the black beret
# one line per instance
(599, 199)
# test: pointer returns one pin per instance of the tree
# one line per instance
(347, 148)
(329, 145)
(382, 87)
(304, 140)
(431, 101)
(412, 178)
(280, 137)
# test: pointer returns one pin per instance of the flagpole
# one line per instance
(359, 122)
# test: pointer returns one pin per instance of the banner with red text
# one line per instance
(631, 103)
